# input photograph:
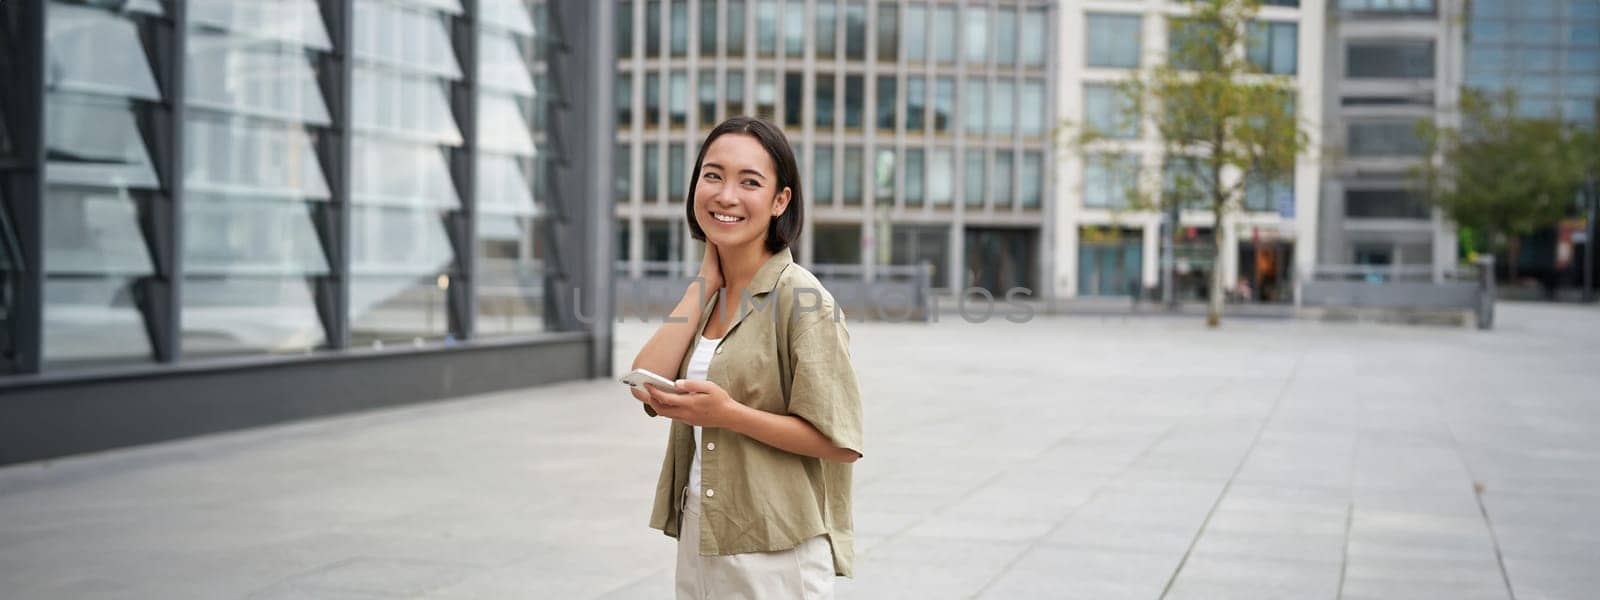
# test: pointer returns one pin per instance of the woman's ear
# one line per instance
(780, 202)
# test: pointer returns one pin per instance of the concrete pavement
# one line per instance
(1095, 458)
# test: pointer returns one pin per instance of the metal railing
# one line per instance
(1404, 288)
(881, 292)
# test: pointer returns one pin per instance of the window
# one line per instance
(1183, 182)
(941, 177)
(708, 98)
(888, 32)
(1385, 138)
(1193, 45)
(733, 91)
(883, 176)
(1032, 115)
(1114, 40)
(855, 31)
(1109, 180)
(677, 173)
(837, 244)
(825, 100)
(1269, 195)
(794, 30)
(822, 170)
(1385, 204)
(1003, 111)
(1106, 111)
(652, 99)
(827, 29)
(1390, 59)
(767, 95)
(624, 100)
(974, 181)
(793, 96)
(915, 176)
(708, 28)
(975, 109)
(944, 104)
(1419, 7)
(975, 40)
(1005, 36)
(854, 170)
(916, 35)
(854, 101)
(944, 33)
(625, 31)
(678, 99)
(652, 29)
(652, 172)
(624, 174)
(916, 103)
(735, 31)
(1034, 46)
(1273, 47)
(1002, 178)
(886, 101)
(767, 28)
(680, 27)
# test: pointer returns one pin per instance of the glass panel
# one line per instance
(1108, 181)
(652, 99)
(886, 101)
(708, 28)
(883, 169)
(237, 315)
(501, 126)
(677, 173)
(401, 174)
(825, 100)
(623, 190)
(854, 101)
(794, 30)
(503, 189)
(855, 31)
(624, 33)
(90, 231)
(1005, 36)
(445, 6)
(1114, 40)
(1106, 112)
(793, 98)
(736, 29)
(394, 241)
(238, 159)
(854, 170)
(708, 97)
(822, 168)
(510, 278)
(296, 21)
(678, 99)
(941, 177)
(511, 15)
(408, 38)
(92, 319)
(95, 145)
(1034, 46)
(944, 33)
(975, 40)
(253, 76)
(398, 309)
(1002, 179)
(916, 35)
(1385, 138)
(501, 65)
(944, 104)
(916, 104)
(623, 94)
(250, 238)
(916, 177)
(767, 28)
(974, 184)
(733, 90)
(767, 95)
(976, 112)
(1390, 59)
(91, 50)
(1002, 112)
(1033, 108)
(652, 172)
(680, 27)
(827, 29)
(392, 104)
(1031, 179)
(888, 32)
(652, 29)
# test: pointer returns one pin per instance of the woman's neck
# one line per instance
(739, 265)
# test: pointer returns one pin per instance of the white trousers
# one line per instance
(804, 572)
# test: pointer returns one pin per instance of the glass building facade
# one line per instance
(188, 182)
(1547, 51)
(919, 126)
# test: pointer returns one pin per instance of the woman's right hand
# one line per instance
(711, 269)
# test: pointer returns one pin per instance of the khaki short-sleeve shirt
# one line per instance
(786, 353)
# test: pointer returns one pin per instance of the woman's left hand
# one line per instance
(703, 404)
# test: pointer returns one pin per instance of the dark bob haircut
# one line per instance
(784, 229)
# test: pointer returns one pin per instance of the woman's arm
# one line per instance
(664, 352)
(706, 404)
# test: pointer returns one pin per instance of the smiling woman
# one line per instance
(756, 480)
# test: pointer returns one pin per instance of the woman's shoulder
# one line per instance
(805, 297)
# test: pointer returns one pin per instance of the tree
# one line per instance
(1224, 123)
(1501, 175)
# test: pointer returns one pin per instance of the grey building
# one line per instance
(219, 213)
(1547, 51)
(923, 129)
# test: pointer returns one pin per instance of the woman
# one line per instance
(756, 480)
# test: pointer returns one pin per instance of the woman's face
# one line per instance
(737, 196)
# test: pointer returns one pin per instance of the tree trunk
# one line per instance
(1214, 306)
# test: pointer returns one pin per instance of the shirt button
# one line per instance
(719, 350)
(711, 445)
(710, 492)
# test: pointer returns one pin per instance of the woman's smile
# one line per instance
(726, 218)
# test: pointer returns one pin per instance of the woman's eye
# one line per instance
(752, 183)
(711, 177)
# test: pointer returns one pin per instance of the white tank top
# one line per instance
(699, 365)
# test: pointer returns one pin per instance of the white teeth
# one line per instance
(726, 218)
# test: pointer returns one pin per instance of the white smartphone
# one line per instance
(640, 377)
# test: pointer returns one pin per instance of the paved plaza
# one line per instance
(1086, 457)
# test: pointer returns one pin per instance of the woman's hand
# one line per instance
(703, 404)
(711, 269)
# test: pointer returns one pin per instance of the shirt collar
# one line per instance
(766, 277)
